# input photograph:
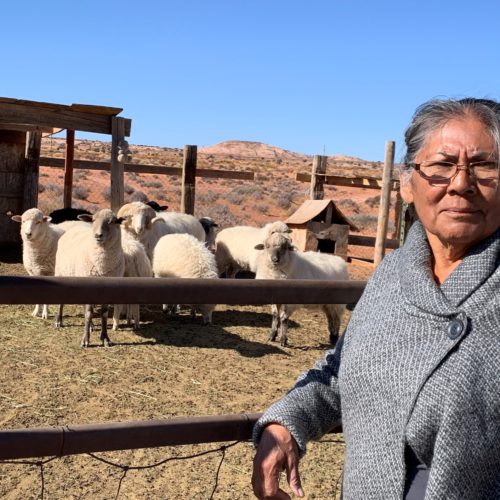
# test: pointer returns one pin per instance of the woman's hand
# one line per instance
(277, 451)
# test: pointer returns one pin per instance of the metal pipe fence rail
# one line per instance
(59, 290)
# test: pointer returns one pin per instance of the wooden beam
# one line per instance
(188, 179)
(68, 168)
(48, 161)
(358, 182)
(31, 171)
(116, 167)
(317, 191)
(59, 117)
(385, 201)
(369, 241)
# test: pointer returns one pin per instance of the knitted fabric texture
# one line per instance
(418, 366)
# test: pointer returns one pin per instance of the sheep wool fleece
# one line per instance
(418, 367)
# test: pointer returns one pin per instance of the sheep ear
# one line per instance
(47, 218)
(163, 208)
(214, 224)
(120, 220)
(155, 220)
(85, 217)
(17, 218)
(260, 246)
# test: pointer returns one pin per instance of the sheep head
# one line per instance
(33, 223)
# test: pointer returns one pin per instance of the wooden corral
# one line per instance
(22, 124)
(319, 225)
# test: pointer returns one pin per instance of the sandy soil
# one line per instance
(172, 367)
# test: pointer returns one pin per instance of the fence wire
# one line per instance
(125, 468)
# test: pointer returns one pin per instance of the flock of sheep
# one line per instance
(139, 241)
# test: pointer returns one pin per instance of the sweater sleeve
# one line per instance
(312, 407)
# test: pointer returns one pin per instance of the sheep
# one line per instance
(64, 214)
(40, 239)
(234, 246)
(137, 264)
(148, 226)
(156, 206)
(209, 226)
(183, 256)
(93, 250)
(279, 259)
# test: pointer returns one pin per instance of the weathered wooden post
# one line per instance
(318, 177)
(68, 168)
(188, 179)
(32, 168)
(117, 178)
(385, 199)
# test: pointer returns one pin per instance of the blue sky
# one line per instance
(316, 77)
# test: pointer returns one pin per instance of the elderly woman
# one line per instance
(415, 380)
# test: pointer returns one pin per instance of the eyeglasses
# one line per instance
(444, 171)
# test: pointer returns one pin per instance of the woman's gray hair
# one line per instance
(434, 114)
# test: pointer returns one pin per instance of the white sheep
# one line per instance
(183, 256)
(148, 226)
(137, 264)
(40, 239)
(279, 259)
(235, 246)
(92, 250)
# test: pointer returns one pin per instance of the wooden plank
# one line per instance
(68, 168)
(369, 241)
(59, 117)
(48, 161)
(31, 170)
(188, 179)
(358, 182)
(317, 191)
(385, 201)
(116, 167)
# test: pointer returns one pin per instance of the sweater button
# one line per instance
(455, 328)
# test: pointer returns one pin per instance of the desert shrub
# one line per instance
(234, 197)
(151, 184)
(158, 195)
(128, 188)
(207, 198)
(44, 174)
(262, 208)
(348, 204)
(284, 200)
(81, 192)
(41, 188)
(223, 215)
(54, 188)
(132, 175)
(364, 221)
(106, 193)
(373, 201)
(138, 196)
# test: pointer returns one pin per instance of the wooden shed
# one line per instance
(22, 124)
(319, 225)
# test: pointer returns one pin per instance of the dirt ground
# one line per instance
(172, 367)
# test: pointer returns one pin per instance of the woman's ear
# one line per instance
(406, 187)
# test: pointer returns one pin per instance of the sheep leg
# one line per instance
(45, 311)
(135, 312)
(85, 342)
(206, 312)
(275, 309)
(59, 316)
(284, 315)
(333, 324)
(117, 311)
(36, 310)
(106, 342)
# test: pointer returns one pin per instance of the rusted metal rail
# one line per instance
(75, 439)
(52, 290)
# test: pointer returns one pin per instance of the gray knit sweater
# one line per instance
(418, 366)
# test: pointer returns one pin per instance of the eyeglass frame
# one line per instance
(469, 168)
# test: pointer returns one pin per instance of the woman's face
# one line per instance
(464, 211)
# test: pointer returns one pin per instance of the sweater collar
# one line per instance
(417, 281)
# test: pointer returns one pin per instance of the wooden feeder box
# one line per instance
(319, 225)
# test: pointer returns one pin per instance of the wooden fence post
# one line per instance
(188, 179)
(117, 180)
(68, 168)
(318, 177)
(385, 199)
(31, 170)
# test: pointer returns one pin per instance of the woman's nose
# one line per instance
(463, 182)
